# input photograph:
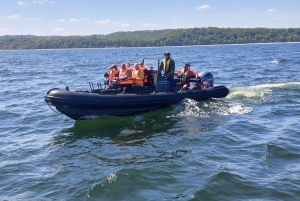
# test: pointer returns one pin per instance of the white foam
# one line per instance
(112, 177)
(258, 91)
(276, 85)
(275, 62)
(191, 108)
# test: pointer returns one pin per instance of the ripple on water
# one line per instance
(242, 147)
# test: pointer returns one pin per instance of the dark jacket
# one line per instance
(171, 70)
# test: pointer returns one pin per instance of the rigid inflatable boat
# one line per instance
(110, 102)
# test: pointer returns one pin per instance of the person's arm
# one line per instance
(193, 74)
(106, 74)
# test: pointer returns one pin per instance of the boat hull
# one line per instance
(78, 105)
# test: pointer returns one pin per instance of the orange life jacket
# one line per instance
(112, 75)
(137, 75)
(123, 73)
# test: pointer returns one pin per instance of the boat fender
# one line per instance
(51, 90)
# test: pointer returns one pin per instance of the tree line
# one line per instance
(153, 38)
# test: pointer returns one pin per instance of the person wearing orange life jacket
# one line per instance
(146, 73)
(129, 67)
(142, 67)
(125, 79)
(112, 73)
(186, 74)
(137, 77)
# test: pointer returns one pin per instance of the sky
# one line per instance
(87, 17)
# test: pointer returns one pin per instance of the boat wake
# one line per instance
(209, 109)
(261, 91)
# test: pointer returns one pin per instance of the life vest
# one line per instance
(184, 75)
(123, 73)
(112, 75)
(137, 75)
(146, 75)
(166, 64)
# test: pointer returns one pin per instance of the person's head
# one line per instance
(186, 66)
(127, 65)
(114, 66)
(141, 63)
(123, 66)
(136, 66)
(167, 55)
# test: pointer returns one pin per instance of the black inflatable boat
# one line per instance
(109, 102)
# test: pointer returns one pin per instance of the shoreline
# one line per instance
(213, 45)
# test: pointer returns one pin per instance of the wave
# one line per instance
(208, 109)
(275, 62)
(260, 91)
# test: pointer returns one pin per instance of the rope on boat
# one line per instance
(52, 109)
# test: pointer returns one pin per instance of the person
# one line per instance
(168, 66)
(128, 66)
(186, 73)
(142, 67)
(137, 77)
(112, 73)
(125, 79)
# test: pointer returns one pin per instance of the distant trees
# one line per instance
(167, 37)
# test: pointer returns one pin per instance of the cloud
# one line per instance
(125, 25)
(58, 30)
(150, 25)
(271, 10)
(77, 20)
(12, 17)
(73, 20)
(103, 21)
(52, 2)
(39, 2)
(203, 7)
(20, 2)
(61, 20)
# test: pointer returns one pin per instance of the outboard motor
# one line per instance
(205, 76)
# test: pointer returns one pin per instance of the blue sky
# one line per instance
(86, 17)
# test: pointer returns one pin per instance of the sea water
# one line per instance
(242, 147)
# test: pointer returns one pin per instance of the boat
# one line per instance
(107, 101)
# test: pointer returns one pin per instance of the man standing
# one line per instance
(168, 66)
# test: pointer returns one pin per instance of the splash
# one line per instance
(223, 108)
(112, 177)
(190, 108)
(275, 62)
(208, 109)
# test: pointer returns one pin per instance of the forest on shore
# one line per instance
(154, 38)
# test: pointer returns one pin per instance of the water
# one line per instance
(243, 147)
